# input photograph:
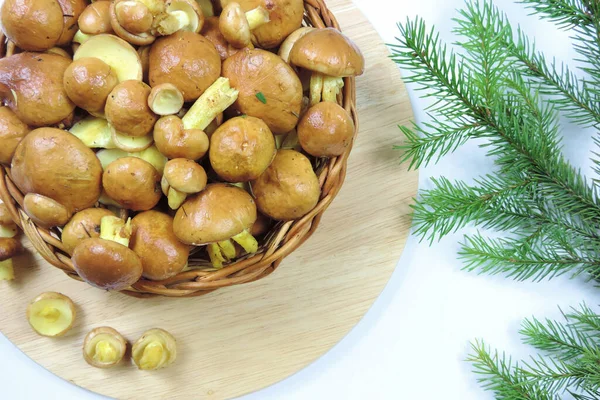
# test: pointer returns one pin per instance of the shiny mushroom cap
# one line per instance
(127, 108)
(133, 183)
(174, 141)
(231, 209)
(83, 225)
(185, 175)
(88, 82)
(12, 131)
(325, 130)
(329, 52)
(44, 211)
(95, 19)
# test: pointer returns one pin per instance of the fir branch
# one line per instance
(565, 13)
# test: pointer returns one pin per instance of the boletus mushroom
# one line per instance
(285, 16)
(187, 60)
(150, 155)
(211, 31)
(44, 211)
(51, 314)
(237, 26)
(153, 240)
(114, 51)
(38, 25)
(232, 213)
(94, 132)
(95, 19)
(31, 85)
(12, 131)
(133, 183)
(155, 349)
(325, 130)
(104, 347)
(331, 56)
(289, 188)
(241, 149)
(88, 82)
(56, 164)
(181, 178)
(165, 99)
(127, 109)
(269, 88)
(83, 225)
(9, 246)
(107, 262)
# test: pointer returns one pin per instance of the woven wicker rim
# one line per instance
(281, 241)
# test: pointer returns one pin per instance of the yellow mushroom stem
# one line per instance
(115, 229)
(224, 251)
(50, 314)
(325, 88)
(175, 198)
(216, 99)
(7, 272)
(81, 37)
(105, 352)
(257, 17)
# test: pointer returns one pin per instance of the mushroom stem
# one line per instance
(173, 22)
(257, 17)
(216, 256)
(7, 272)
(331, 88)
(115, 229)
(316, 88)
(247, 241)
(227, 248)
(175, 198)
(81, 37)
(216, 99)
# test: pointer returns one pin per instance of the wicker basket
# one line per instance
(284, 237)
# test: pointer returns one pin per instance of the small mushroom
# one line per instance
(174, 141)
(127, 109)
(181, 178)
(94, 132)
(44, 211)
(114, 51)
(12, 131)
(95, 19)
(150, 155)
(325, 130)
(38, 25)
(36, 102)
(133, 183)
(9, 246)
(51, 314)
(289, 188)
(269, 88)
(211, 31)
(165, 99)
(285, 16)
(331, 56)
(232, 213)
(290, 41)
(187, 60)
(132, 20)
(56, 164)
(83, 225)
(106, 264)
(241, 149)
(153, 240)
(236, 26)
(156, 349)
(181, 15)
(88, 82)
(104, 347)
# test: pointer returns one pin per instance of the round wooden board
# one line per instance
(241, 339)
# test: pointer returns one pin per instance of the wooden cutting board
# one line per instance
(241, 339)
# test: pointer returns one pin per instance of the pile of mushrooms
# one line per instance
(143, 131)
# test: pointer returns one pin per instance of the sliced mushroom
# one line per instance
(156, 349)
(181, 178)
(104, 347)
(51, 314)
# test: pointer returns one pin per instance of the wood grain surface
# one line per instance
(241, 339)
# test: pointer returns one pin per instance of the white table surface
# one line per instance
(413, 342)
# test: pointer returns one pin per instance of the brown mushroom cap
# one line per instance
(127, 108)
(325, 130)
(44, 211)
(211, 31)
(83, 225)
(95, 18)
(185, 175)
(289, 188)
(71, 10)
(285, 17)
(88, 82)
(32, 86)
(153, 240)
(187, 60)
(33, 25)
(106, 264)
(231, 210)
(56, 164)
(9, 247)
(173, 141)
(133, 183)
(241, 149)
(51, 314)
(234, 26)
(134, 16)
(329, 52)
(5, 217)
(269, 88)
(12, 131)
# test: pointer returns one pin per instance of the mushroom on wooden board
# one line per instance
(51, 314)
(104, 347)
(232, 211)
(31, 85)
(331, 56)
(155, 349)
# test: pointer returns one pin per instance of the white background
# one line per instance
(413, 342)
